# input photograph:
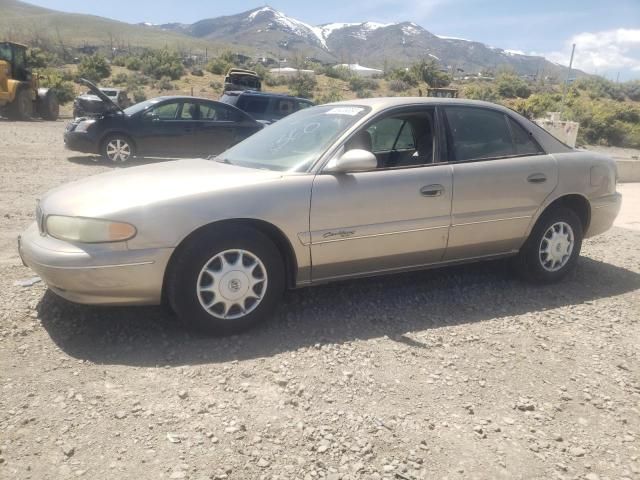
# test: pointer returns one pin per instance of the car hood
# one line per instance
(132, 188)
(99, 93)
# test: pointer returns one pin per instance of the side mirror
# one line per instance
(150, 116)
(353, 161)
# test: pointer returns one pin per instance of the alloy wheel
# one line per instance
(118, 150)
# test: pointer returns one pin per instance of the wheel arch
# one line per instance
(274, 233)
(574, 201)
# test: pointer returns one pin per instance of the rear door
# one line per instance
(501, 176)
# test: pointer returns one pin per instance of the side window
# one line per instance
(219, 113)
(284, 107)
(190, 111)
(522, 141)
(384, 134)
(478, 133)
(255, 104)
(405, 139)
(166, 111)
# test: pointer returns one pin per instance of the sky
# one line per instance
(606, 32)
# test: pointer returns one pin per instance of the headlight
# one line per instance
(88, 230)
(84, 125)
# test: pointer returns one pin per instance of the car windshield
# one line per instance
(296, 142)
(139, 107)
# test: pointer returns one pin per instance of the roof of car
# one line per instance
(270, 94)
(383, 103)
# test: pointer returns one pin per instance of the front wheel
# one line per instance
(118, 149)
(553, 248)
(223, 282)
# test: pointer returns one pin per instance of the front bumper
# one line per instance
(604, 211)
(80, 142)
(101, 274)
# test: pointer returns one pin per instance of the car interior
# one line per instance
(398, 141)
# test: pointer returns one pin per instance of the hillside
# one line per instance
(20, 21)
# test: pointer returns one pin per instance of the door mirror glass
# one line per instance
(150, 116)
(353, 161)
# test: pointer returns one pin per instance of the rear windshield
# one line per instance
(229, 99)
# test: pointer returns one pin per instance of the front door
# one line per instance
(393, 217)
(163, 132)
(501, 176)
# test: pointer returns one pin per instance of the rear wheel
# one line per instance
(22, 106)
(48, 106)
(225, 282)
(553, 248)
(118, 149)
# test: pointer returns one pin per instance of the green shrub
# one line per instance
(398, 86)
(133, 63)
(138, 95)
(161, 63)
(332, 95)
(302, 85)
(480, 91)
(216, 85)
(404, 75)
(510, 85)
(120, 79)
(219, 66)
(339, 72)
(63, 89)
(358, 84)
(272, 81)
(164, 84)
(39, 58)
(197, 72)
(94, 68)
(118, 61)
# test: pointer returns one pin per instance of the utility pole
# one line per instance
(566, 82)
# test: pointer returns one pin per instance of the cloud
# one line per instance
(604, 51)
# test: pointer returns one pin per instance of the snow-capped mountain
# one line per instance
(270, 32)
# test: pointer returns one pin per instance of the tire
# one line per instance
(222, 302)
(48, 107)
(559, 231)
(117, 149)
(22, 106)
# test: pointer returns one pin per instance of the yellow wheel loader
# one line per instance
(20, 95)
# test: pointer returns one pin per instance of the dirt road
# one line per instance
(455, 373)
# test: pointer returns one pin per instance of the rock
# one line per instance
(173, 438)
(262, 463)
(577, 451)
(68, 450)
(120, 414)
(183, 394)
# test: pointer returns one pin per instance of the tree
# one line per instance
(430, 72)
(161, 63)
(94, 68)
(509, 85)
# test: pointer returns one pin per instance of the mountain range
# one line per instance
(267, 32)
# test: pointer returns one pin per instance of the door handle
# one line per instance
(537, 178)
(431, 190)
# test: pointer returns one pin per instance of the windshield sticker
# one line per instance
(352, 111)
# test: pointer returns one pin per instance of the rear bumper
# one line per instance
(604, 211)
(102, 274)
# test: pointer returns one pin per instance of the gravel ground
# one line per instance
(453, 373)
